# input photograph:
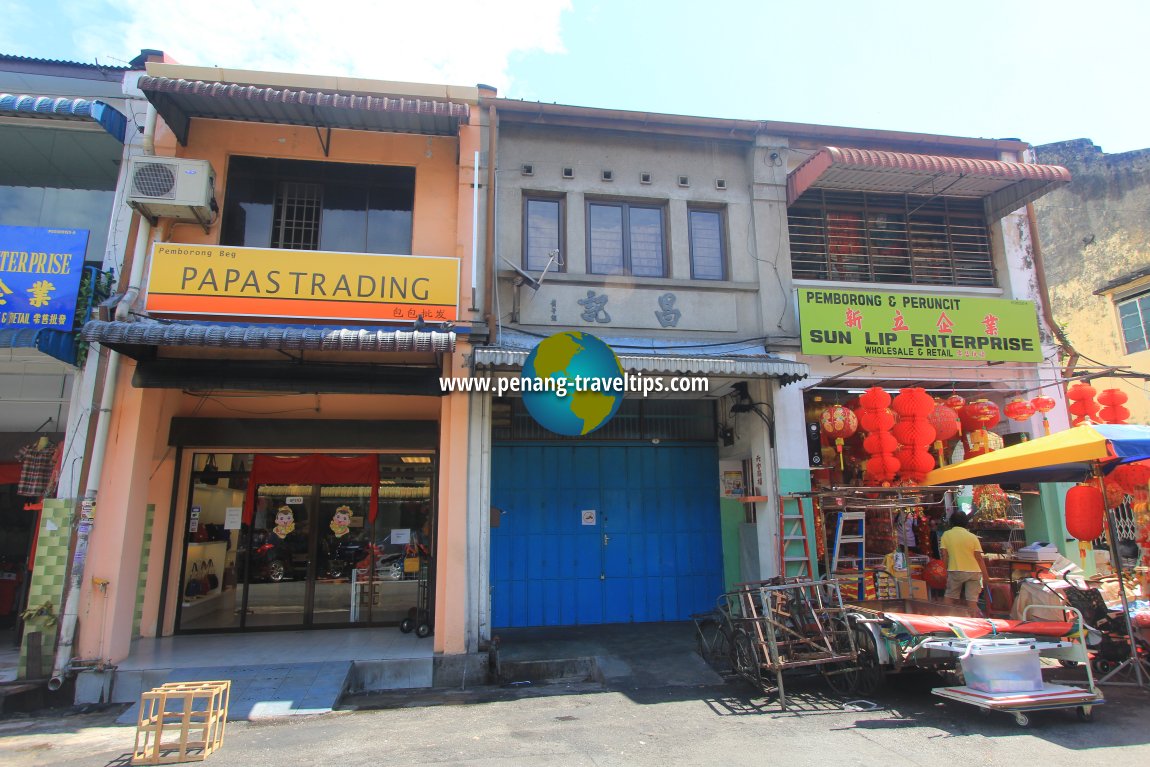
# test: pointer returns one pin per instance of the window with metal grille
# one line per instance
(899, 239)
(1134, 314)
(668, 420)
(295, 223)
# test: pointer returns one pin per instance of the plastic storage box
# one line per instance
(993, 667)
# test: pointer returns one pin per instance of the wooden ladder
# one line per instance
(793, 530)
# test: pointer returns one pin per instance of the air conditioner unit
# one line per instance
(172, 187)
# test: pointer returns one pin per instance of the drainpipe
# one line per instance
(1047, 311)
(70, 612)
(489, 244)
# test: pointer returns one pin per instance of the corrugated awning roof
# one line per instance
(59, 108)
(657, 357)
(1003, 186)
(58, 344)
(134, 338)
(178, 101)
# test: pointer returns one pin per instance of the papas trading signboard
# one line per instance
(40, 276)
(227, 281)
(860, 323)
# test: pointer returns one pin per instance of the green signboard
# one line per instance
(860, 323)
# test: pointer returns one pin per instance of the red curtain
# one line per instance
(313, 469)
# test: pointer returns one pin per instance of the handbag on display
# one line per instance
(194, 585)
(213, 579)
(205, 583)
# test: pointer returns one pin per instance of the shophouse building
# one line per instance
(65, 129)
(279, 453)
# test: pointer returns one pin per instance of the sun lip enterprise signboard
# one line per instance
(40, 271)
(917, 326)
(222, 280)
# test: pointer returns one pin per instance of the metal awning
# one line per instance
(139, 338)
(58, 344)
(57, 108)
(1002, 186)
(658, 357)
(178, 101)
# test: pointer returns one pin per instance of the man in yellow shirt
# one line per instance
(965, 566)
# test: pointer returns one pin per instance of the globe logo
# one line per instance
(572, 383)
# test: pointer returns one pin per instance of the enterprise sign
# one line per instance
(863, 324)
(301, 284)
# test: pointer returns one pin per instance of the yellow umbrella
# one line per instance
(1065, 456)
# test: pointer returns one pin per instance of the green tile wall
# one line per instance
(49, 572)
(142, 581)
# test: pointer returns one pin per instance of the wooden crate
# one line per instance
(181, 722)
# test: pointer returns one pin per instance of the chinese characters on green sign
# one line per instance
(863, 324)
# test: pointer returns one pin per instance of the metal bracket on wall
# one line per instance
(324, 141)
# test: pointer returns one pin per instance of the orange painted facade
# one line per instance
(140, 468)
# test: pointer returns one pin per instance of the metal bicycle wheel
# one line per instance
(842, 677)
(745, 658)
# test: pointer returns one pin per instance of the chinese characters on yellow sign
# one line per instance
(864, 324)
(294, 284)
(40, 275)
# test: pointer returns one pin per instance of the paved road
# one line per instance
(582, 724)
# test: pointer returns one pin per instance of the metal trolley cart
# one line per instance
(419, 617)
(787, 624)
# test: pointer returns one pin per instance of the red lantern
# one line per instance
(876, 420)
(934, 573)
(980, 414)
(1044, 405)
(883, 467)
(1084, 512)
(946, 427)
(1082, 404)
(874, 398)
(1132, 478)
(1111, 397)
(1019, 410)
(1112, 401)
(839, 423)
(880, 442)
(954, 402)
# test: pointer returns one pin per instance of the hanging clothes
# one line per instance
(38, 464)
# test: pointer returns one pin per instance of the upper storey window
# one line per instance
(626, 238)
(306, 205)
(900, 239)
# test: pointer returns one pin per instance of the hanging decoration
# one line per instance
(1113, 408)
(956, 402)
(978, 418)
(1133, 479)
(991, 501)
(877, 419)
(1114, 494)
(1019, 410)
(914, 433)
(840, 424)
(1043, 404)
(1082, 404)
(1084, 515)
(946, 425)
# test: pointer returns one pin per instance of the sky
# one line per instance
(1041, 70)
